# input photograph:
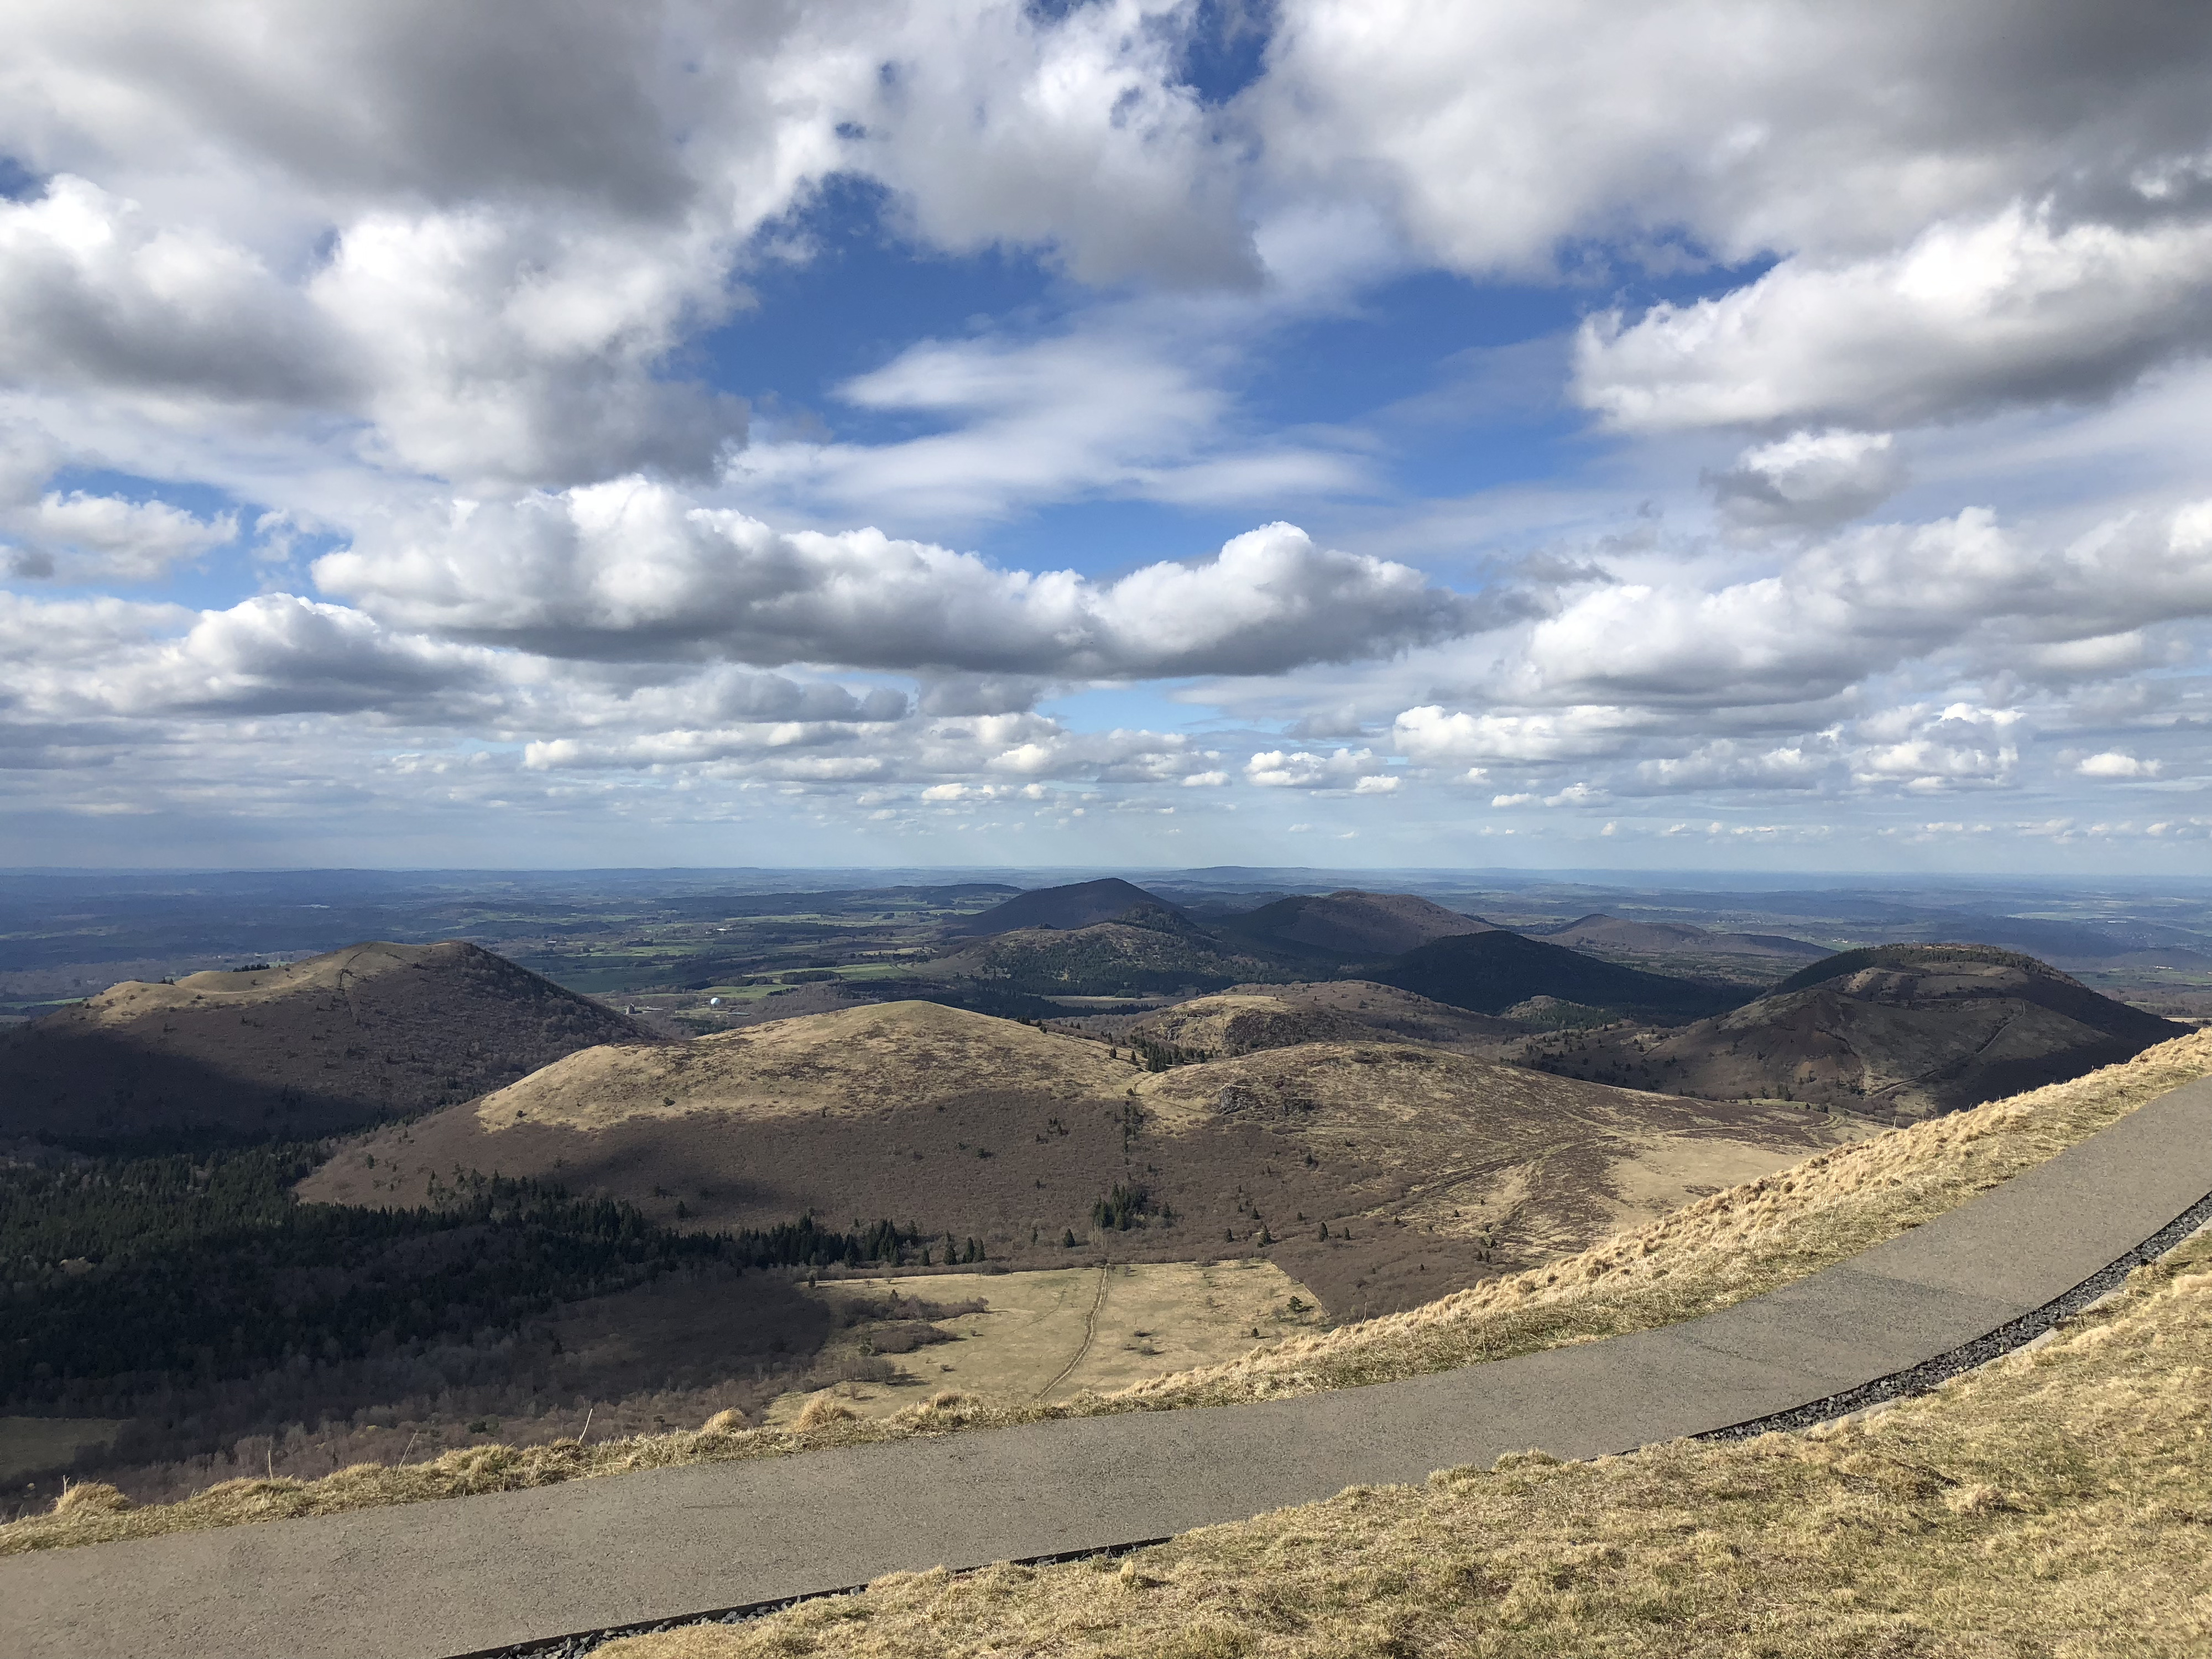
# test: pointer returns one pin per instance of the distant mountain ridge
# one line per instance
(1490, 972)
(1350, 925)
(1601, 931)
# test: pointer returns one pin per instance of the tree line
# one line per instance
(191, 1270)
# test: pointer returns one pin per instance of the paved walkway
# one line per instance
(469, 1574)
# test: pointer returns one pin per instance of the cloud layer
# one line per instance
(392, 410)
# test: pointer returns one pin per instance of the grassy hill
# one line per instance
(328, 1044)
(1910, 1029)
(1249, 1017)
(1441, 1168)
(1493, 971)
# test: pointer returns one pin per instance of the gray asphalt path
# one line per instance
(454, 1577)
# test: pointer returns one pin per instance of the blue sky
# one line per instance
(1522, 435)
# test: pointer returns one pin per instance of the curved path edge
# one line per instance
(520, 1570)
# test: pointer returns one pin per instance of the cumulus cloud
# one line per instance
(1968, 318)
(634, 568)
(1810, 479)
(1003, 123)
(98, 293)
(2113, 764)
(1749, 129)
(481, 234)
(1433, 733)
(1864, 601)
(82, 536)
(1359, 770)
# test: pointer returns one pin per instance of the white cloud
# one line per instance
(1863, 603)
(82, 536)
(1500, 130)
(2112, 763)
(1578, 794)
(1431, 733)
(633, 569)
(1969, 317)
(1813, 479)
(1360, 770)
(1075, 133)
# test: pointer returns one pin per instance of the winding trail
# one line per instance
(1090, 1332)
(476, 1575)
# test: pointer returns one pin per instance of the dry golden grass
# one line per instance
(2056, 1503)
(133, 999)
(902, 1055)
(1738, 1243)
(1058, 1333)
(1735, 1245)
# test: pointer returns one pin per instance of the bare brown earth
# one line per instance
(328, 1044)
(1907, 1030)
(1248, 1018)
(1429, 1170)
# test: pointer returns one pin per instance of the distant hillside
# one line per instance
(1349, 926)
(1910, 1029)
(1081, 905)
(1148, 948)
(1020, 1136)
(1249, 1017)
(331, 1043)
(1599, 932)
(1491, 972)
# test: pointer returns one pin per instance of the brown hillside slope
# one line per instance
(1440, 1167)
(1248, 1018)
(1911, 1028)
(1722, 1249)
(331, 1043)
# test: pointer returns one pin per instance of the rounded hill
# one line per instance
(1911, 1029)
(1427, 1167)
(327, 1044)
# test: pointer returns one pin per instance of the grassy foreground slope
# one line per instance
(1735, 1245)
(2052, 1503)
